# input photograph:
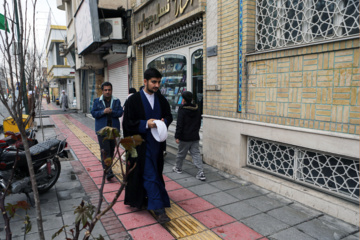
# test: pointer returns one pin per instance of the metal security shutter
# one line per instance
(119, 79)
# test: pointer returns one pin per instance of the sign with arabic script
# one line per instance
(160, 13)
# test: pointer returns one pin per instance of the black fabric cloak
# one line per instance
(135, 194)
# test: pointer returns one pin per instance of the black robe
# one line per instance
(135, 194)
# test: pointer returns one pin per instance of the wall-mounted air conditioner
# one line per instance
(111, 28)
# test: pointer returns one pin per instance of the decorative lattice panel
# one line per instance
(282, 23)
(325, 171)
(176, 38)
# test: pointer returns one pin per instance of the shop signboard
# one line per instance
(158, 14)
(87, 25)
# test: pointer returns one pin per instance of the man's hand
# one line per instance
(151, 123)
(177, 141)
(107, 110)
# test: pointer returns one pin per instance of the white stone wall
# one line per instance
(225, 147)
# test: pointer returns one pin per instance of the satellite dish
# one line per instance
(105, 29)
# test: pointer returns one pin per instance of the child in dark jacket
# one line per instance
(187, 135)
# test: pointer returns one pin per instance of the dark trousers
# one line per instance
(107, 148)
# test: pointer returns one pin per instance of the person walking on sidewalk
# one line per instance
(106, 110)
(148, 113)
(64, 101)
(187, 135)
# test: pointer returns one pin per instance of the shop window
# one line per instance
(173, 82)
(281, 23)
(197, 77)
(92, 90)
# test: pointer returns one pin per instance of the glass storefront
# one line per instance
(197, 77)
(175, 69)
(173, 82)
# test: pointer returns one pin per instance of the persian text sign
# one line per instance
(159, 13)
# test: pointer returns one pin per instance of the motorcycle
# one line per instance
(45, 158)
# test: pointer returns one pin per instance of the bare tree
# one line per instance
(19, 64)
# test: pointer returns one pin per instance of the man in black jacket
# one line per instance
(187, 135)
(146, 184)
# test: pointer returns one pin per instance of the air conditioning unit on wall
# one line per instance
(111, 28)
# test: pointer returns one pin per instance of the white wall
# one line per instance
(225, 147)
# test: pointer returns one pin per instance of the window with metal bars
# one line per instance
(283, 23)
(327, 172)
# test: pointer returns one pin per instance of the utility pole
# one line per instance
(21, 60)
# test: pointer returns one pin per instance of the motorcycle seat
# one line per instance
(39, 151)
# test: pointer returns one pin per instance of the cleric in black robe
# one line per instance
(146, 186)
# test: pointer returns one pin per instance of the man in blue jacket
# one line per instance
(106, 110)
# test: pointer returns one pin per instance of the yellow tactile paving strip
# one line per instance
(182, 224)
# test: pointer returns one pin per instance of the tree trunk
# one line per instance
(33, 185)
(8, 233)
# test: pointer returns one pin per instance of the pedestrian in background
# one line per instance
(106, 110)
(148, 114)
(187, 135)
(131, 92)
(64, 101)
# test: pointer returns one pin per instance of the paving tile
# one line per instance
(16, 227)
(94, 168)
(71, 194)
(327, 227)
(213, 176)
(189, 182)
(61, 186)
(171, 185)
(352, 237)
(214, 218)
(294, 214)
(50, 222)
(49, 196)
(264, 224)
(166, 179)
(225, 184)
(204, 189)
(110, 187)
(120, 208)
(69, 205)
(265, 203)
(96, 173)
(91, 163)
(48, 234)
(153, 232)
(244, 192)
(181, 194)
(240, 210)
(137, 219)
(291, 233)
(236, 231)
(110, 196)
(220, 199)
(175, 176)
(167, 169)
(195, 205)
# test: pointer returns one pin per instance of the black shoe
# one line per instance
(162, 218)
(109, 176)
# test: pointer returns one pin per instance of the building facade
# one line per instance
(168, 36)
(59, 74)
(284, 112)
(96, 45)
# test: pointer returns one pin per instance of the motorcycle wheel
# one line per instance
(55, 170)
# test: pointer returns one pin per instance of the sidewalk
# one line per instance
(222, 207)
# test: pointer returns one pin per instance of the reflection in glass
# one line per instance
(173, 82)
